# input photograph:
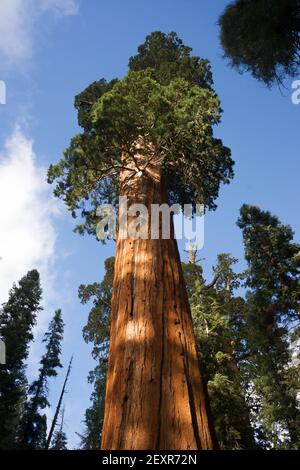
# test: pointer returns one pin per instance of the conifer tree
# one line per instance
(33, 425)
(272, 312)
(17, 318)
(218, 324)
(149, 138)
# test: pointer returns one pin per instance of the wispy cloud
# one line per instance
(61, 7)
(18, 19)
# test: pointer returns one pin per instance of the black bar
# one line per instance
(134, 459)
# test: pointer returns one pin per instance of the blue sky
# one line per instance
(50, 50)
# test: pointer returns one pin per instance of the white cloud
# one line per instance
(27, 234)
(14, 30)
(17, 20)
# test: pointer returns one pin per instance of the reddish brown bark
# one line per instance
(155, 395)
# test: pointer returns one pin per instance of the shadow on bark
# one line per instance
(156, 398)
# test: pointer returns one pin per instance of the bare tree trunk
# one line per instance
(155, 395)
(58, 406)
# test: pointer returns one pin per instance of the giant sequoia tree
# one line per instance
(149, 137)
(262, 36)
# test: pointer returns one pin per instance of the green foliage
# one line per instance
(274, 262)
(86, 100)
(96, 331)
(169, 58)
(59, 440)
(33, 424)
(273, 281)
(246, 344)
(173, 116)
(53, 338)
(218, 321)
(17, 318)
(262, 36)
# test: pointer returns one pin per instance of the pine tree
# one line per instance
(96, 331)
(33, 425)
(149, 138)
(272, 311)
(17, 318)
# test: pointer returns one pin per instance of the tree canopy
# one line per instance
(263, 37)
(169, 58)
(274, 261)
(165, 101)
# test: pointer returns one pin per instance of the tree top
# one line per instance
(166, 102)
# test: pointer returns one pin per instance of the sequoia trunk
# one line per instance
(155, 395)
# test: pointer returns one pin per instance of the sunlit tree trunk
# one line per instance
(155, 395)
